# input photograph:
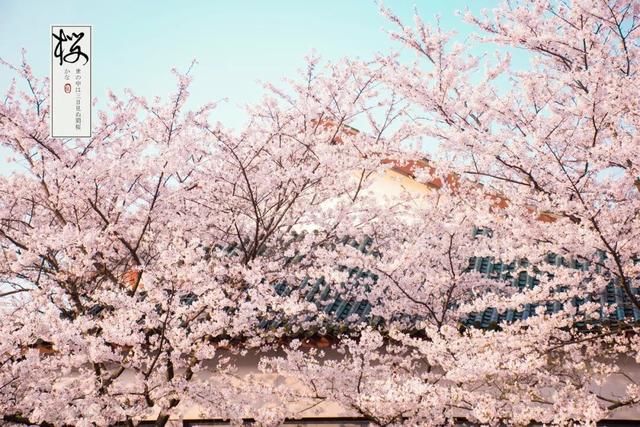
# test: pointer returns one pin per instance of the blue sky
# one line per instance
(236, 43)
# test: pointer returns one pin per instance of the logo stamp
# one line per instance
(70, 81)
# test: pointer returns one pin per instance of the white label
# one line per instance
(70, 81)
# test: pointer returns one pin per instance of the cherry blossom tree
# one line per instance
(557, 144)
(134, 262)
(141, 266)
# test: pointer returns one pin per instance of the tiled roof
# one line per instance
(612, 296)
(330, 298)
(342, 310)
